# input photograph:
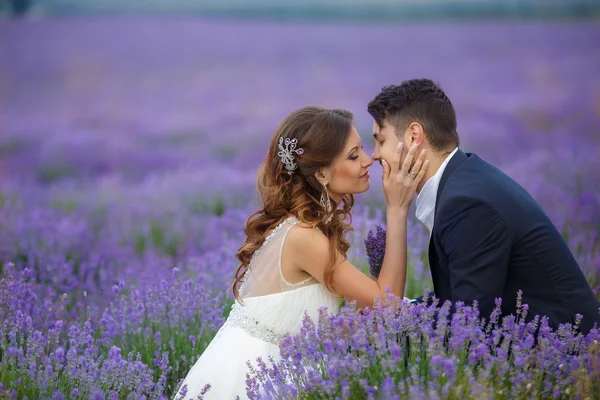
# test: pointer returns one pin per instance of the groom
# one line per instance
(488, 237)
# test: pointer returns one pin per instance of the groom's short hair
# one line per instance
(417, 100)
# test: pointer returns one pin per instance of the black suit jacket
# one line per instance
(491, 238)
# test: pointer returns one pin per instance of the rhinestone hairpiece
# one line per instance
(286, 153)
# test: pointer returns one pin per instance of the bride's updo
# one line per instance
(306, 140)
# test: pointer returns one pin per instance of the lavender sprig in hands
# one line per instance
(375, 248)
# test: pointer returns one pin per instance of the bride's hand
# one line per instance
(400, 180)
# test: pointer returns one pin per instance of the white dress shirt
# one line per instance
(426, 199)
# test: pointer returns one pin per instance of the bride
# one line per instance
(293, 260)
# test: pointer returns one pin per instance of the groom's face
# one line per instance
(386, 142)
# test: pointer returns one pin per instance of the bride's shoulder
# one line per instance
(303, 237)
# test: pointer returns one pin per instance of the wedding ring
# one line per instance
(412, 174)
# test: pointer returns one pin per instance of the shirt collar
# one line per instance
(426, 199)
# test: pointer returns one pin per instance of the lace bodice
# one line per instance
(271, 306)
(265, 274)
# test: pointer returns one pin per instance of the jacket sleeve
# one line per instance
(477, 243)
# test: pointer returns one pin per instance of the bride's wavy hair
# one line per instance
(322, 134)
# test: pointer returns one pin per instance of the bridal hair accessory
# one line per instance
(325, 198)
(286, 153)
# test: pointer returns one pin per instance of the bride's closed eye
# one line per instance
(355, 157)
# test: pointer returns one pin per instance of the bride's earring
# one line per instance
(325, 198)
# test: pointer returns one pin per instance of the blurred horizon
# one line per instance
(352, 10)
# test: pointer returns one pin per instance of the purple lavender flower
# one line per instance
(375, 249)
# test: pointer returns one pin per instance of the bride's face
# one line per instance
(349, 172)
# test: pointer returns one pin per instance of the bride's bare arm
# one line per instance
(309, 249)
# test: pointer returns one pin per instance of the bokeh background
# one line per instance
(131, 131)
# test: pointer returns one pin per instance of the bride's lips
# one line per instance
(365, 175)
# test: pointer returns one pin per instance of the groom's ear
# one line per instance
(416, 133)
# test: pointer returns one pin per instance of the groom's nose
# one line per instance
(376, 156)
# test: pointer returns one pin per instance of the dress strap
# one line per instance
(269, 237)
(285, 285)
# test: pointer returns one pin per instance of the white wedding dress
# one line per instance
(272, 308)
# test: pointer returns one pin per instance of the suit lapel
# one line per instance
(434, 266)
(454, 162)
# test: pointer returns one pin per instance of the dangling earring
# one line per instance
(325, 198)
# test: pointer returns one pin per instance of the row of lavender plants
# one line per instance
(419, 352)
(139, 338)
(122, 203)
(122, 307)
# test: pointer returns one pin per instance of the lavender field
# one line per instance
(128, 152)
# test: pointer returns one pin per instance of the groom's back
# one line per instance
(537, 259)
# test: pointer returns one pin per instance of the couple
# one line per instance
(488, 236)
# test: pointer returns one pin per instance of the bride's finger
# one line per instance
(421, 173)
(397, 157)
(414, 171)
(386, 169)
(408, 160)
